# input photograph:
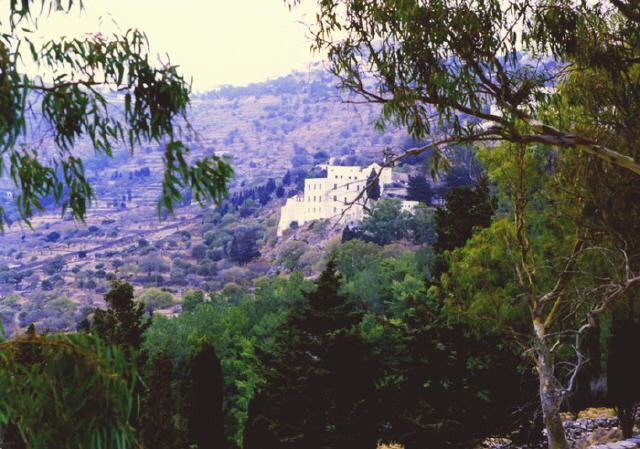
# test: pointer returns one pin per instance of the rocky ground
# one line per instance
(592, 427)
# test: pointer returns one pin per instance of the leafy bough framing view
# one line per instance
(98, 88)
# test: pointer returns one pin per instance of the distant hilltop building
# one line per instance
(331, 197)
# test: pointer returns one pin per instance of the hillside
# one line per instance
(266, 129)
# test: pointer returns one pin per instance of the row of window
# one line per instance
(317, 199)
(313, 209)
(335, 187)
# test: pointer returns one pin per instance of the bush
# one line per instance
(153, 263)
(290, 255)
(54, 266)
(178, 276)
(199, 251)
(191, 299)
(8, 276)
(209, 237)
(154, 298)
(53, 236)
(215, 254)
(244, 246)
(207, 268)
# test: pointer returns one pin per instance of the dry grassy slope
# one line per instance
(268, 126)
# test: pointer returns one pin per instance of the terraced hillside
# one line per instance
(267, 129)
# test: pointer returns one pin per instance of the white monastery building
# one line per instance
(330, 197)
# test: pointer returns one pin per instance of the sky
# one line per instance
(215, 42)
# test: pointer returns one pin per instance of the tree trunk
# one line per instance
(550, 399)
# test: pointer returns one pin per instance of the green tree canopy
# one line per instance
(386, 222)
(153, 298)
(465, 209)
(123, 323)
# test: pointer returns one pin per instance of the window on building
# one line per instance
(335, 197)
(335, 209)
(345, 200)
(335, 186)
(347, 186)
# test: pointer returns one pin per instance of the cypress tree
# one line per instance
(270, 186)
(320, 378)
(157, 422)
(373, 186)
(205, 418)
(257, 431)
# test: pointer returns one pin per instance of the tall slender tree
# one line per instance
(157, 422)
(320, 378)
(205, 419)
(373, 186)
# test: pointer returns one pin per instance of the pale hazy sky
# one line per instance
(214, 41)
